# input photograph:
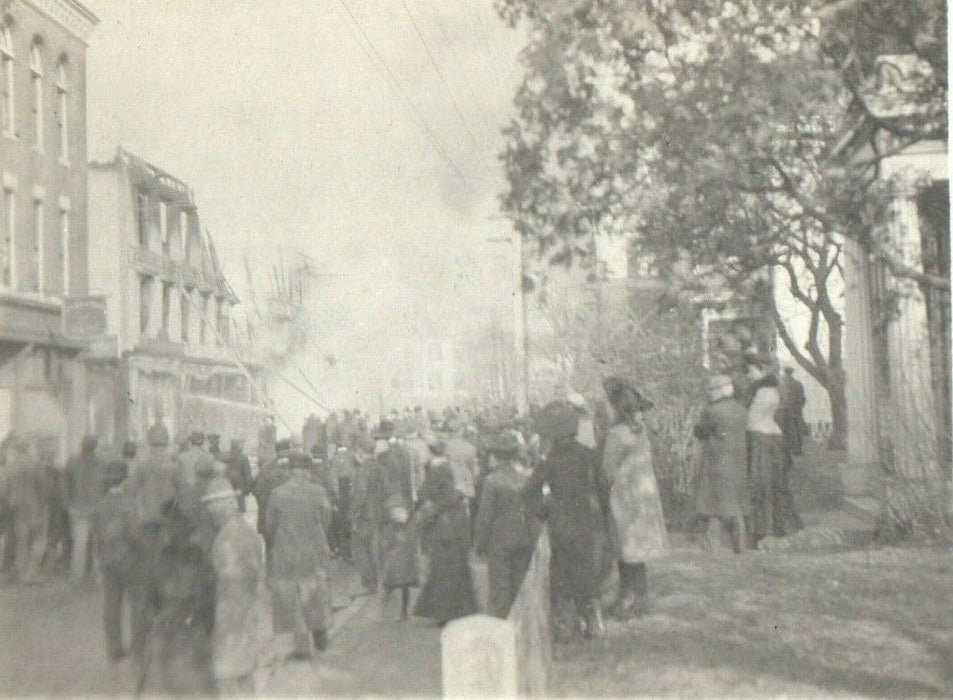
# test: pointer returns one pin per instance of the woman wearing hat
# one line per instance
(721, 489)
(445, 527)
(238, 561)
(576, 524)
(636, 523)
(773, 510)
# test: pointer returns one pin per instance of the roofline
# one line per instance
(71, 15)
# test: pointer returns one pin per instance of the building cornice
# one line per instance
(72, 15)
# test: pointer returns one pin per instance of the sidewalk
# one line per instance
(368, 655)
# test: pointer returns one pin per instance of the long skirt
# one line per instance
(448, 592)
(773, 511)
(399, 556)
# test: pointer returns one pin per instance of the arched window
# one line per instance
(36, 79)
(62, 107)
(6, 79)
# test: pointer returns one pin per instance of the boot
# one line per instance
(636, 598)
(594, 627)
(320, 638)
(626, 596)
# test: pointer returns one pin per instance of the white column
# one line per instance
(914, 438)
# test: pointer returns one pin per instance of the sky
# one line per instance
(280, 116)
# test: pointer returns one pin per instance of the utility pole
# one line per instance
(521, 324)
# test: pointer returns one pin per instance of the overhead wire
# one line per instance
(439, 72)
(446, 35)
(391, 80)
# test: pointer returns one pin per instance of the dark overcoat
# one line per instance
(445, 525)
(394, 487)
(721, 484)
(576, 523)
(296, 523)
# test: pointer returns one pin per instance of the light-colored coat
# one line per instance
(637, 525)
(237, 638)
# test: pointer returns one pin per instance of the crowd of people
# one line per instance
(197, 538)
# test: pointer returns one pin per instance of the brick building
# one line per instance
(169, 352)
(43, 201)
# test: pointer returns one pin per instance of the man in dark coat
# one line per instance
(363, 519)
(721, 487)
(177, 655)
(576, 522)
(58, 541)
(215, 447)
(114, 530)
(341, 475)
(153, 482)
(26, 495)
(238, 471)
(793, 401)
(395, 500)
(296, 521)
(505, 530)
(270, 476)
(85, 478)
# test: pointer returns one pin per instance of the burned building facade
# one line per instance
(170, 345)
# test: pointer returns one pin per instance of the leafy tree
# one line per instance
(722, 134)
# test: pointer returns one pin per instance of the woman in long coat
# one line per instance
(773, 511)
(636, 523)
(721, 488)
(575, 521)
(395, 492)
(237, 557)
(445, 527)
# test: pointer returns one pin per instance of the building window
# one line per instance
(6, 80)
(36, 78)
(166, 309)
(64, 248)
(142, 221)
(39, 252)
(145, 303)
(164, 225)
(186, 314)
(62, 106)
(8, 254)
